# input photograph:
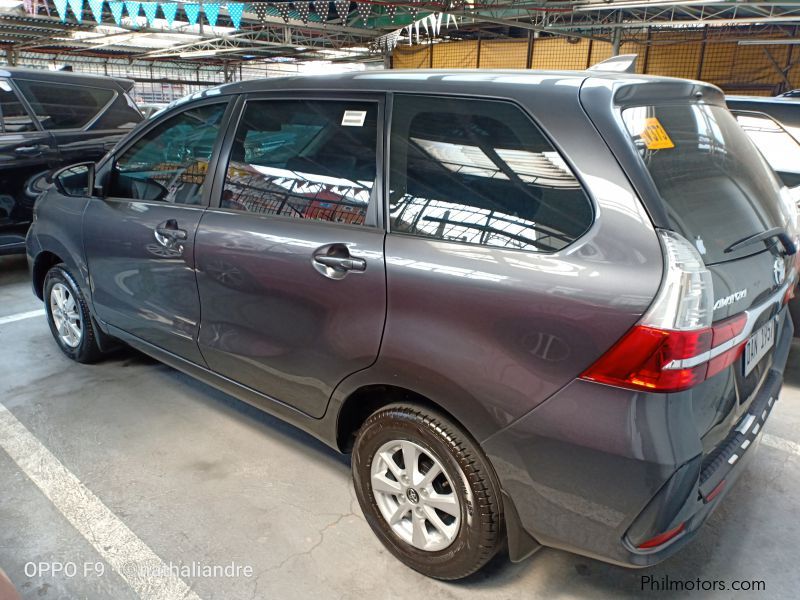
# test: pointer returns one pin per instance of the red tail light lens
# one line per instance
(637, 361)
(650, 359)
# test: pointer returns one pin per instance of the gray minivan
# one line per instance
(547, 308)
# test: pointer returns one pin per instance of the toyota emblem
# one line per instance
(779, 270)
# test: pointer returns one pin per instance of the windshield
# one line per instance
(715, 185)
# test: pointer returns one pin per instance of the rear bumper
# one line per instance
(598, 470)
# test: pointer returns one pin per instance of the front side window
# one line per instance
(13, 116)
(304, 159)
(480, 172)
(64, 106)
(170, 162)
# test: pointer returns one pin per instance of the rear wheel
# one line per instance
(68, 316)
(427, 491)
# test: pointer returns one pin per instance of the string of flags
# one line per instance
(209, 12)
(193, 11)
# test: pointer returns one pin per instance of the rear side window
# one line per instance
(122, 114)
(304, 159)
(716, 187)
(480, 172)
(64, 106)
(13, 116)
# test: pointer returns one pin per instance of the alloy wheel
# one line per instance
(66, 316)
(415, 495)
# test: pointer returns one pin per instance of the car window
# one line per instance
(304, 159)
(480, 172)
(13, 116)
(64, 106)
(716, 187)
(779, 148)
(170, 162)
(122, 114)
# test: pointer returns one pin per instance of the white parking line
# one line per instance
(149, 576)
(21, 316)
(773, 441)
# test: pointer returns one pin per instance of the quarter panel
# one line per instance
(514, 327)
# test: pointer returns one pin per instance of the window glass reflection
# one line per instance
(304, 159)
(480, 172)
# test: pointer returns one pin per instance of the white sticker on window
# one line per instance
(354, 118)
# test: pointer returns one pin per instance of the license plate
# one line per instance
(758, 346)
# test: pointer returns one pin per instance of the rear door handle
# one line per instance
(346, 264)
(168, 233)
(34, 150)
(334, 261)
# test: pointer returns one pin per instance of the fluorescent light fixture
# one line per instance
(198, 53)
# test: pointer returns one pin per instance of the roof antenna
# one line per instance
(624, 63)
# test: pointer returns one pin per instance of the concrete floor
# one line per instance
(199, 476)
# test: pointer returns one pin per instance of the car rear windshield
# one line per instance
(716, 187)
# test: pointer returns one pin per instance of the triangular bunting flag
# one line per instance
(192, 13)
(260, 8)
(235, 12)
(322, 9)
(116, 7)
(133, 8)
(77, 9)
(61, 8)
(283, 10)
(96, 6)
(150, 10)
(212, 13)
(342, 9)
(364, 10)
(302, 9)
(169, 9)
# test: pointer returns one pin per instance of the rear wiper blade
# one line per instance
(776, 232)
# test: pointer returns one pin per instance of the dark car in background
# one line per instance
(49, 119)
(547, 307)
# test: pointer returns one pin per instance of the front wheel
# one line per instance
(427, 491)
(69, 317)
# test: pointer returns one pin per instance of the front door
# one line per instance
(140, 238)
(290, 263)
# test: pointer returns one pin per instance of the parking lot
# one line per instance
(203, 480)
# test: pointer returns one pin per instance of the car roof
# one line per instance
(67, 77)
(389, 79)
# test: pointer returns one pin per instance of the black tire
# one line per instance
(87, 351)
(480, 533)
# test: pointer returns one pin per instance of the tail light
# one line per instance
(674, 347)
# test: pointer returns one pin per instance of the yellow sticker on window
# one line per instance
(655, 136)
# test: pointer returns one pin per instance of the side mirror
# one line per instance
(76, 180)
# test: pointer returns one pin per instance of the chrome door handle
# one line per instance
(345, 264)
(334, 261)
(168, 233)
(34, 150)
